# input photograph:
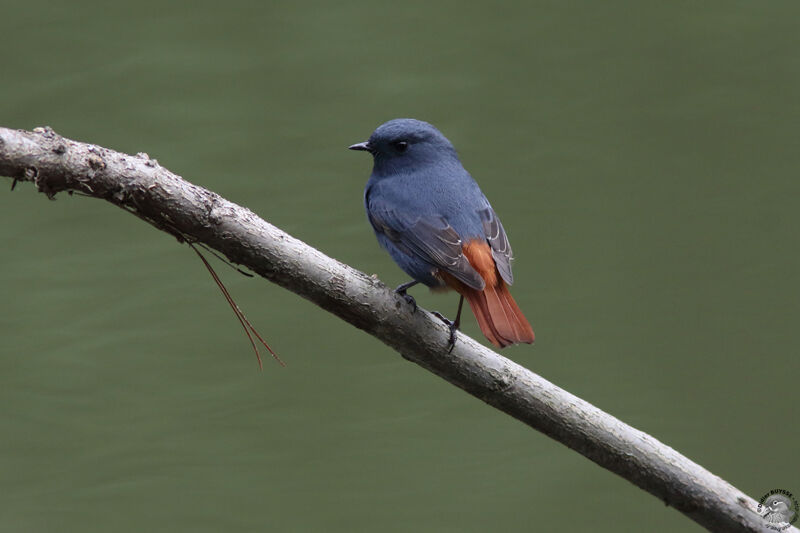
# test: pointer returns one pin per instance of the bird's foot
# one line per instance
(401, 290)
(410, 300)
(452, 325)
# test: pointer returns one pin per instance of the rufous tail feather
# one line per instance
(498, 315)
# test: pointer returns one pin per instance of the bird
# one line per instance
(437, 225)
(778, 509)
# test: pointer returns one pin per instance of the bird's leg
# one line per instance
(401, 290)
(452, 324)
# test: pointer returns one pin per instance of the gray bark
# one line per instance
(140, 185)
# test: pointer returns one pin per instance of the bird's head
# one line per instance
(779, 503)
(406, 142)
(778, 509)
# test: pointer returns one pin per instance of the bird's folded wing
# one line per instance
(430, 239)
(501, 249)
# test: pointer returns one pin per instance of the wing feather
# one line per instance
(430, 239)
(498, 241)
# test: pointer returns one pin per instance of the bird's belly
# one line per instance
(415, 267)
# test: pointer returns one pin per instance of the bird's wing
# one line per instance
(428, 238)
(501, 249)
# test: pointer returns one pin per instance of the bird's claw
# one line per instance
(451, 343)
(453, 326)
(409, 299)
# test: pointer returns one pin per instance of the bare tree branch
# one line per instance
(140, 185)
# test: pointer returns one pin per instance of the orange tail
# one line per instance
(499, 317)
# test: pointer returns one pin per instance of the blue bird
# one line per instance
(437, 225)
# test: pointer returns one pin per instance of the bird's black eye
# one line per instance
(400, 146)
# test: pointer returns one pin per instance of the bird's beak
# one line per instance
(364, 147)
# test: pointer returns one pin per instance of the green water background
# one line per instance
(643, 158)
